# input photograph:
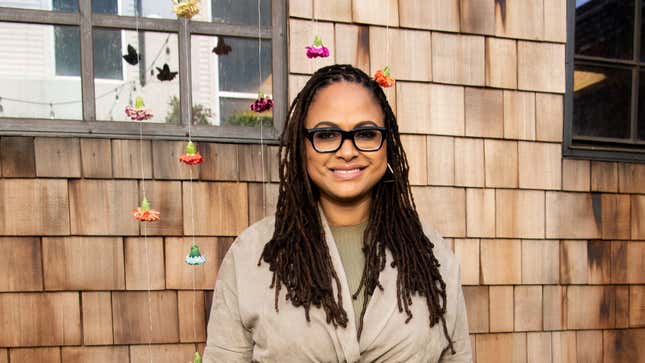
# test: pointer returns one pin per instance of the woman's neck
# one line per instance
(339, 213)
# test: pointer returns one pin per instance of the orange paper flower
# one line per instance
(144, 213)
(382, 77)
(191, 156)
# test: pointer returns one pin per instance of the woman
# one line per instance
(346, 271)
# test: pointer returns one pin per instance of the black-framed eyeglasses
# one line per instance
(330, 139)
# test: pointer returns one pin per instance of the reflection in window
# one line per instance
(225, 85)
(155, 49)
(30, 72)
(241, 12)
(605, 28)
(56, 5)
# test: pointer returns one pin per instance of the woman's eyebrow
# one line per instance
(324, 124)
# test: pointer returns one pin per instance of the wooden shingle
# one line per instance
(501, 63)
(132, 159)
(442, 207)
(622, 306)
(57, 157)
(180, 275)
(570, 215)
(162, 353)
(83, 263)
(501, 348)
(522, 19)
(166, 164)
(599, 259)
(501, 167)
(441, 160)
(501, 308)
(49, 355)
(549, 116)
(539, 165)
(220, 161)
(589, 346)
(615, 216)
(528, 308)
(540, 261)
(552, 308)
(40, 319)
(631, 178)
(458, 59)
(335, 10)
(637, 306)
(430, 14)
(622, 346)
(564, 347)
(192, 325)
(555, 20)
(301, 8)
(573, 262)
(222, 208)
(628, 262)
(263, 199)
(604, 176)
(519, 115)
(484, 112)
(253, 162)
(379, 12)
(519, 213)
(476, 298)
(480, 212)
(415, 150)
(477, 16)
(638, 216)
(97, 318)
(165, 196)
(590, 307)
(96, 158)
(402, 54)
(446, 110)
(540, 67)
(104, 207)
(144, 263)
(20, 264)
(469, 162)
(296, 83)
(17, 156)
(142, 317)
(539, 347)
(108, 354)
(34, 207)
(576, 175)
(467, 252)
(413, 101)
(302, 34)
(495, 250)
(352, 47)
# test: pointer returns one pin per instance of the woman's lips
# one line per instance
(347, 174)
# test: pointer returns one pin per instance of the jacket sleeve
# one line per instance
(459, 333)
(228, 339)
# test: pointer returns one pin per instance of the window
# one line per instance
(62, 69)
(605, 102)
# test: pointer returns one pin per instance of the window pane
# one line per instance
(67, 51)
(239, 12)
(226, 84)
(602, 99)
(56, 5)
(147, 8)
(641, 107)
(121, 82)
(30, 84)
(605, 28)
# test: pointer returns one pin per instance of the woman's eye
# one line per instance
(326, 135)
(367, 134)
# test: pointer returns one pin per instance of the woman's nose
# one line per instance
(347, 150)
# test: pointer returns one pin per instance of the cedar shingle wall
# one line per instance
(552, 250)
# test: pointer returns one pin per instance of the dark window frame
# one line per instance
(597, 148)
(90, 127)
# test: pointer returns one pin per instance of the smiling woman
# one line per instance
(346, 270)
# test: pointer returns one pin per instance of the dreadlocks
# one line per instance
(297, 253)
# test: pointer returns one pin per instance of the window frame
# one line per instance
(85, 19)
(573, 148)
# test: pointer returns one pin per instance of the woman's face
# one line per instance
(346, 175)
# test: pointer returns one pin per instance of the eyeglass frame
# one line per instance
(345, 135)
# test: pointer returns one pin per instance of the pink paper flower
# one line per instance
(139, 112)
(317, 49)
(263, 103)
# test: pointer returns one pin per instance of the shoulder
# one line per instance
(449, 265)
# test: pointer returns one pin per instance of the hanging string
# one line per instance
(264, 203)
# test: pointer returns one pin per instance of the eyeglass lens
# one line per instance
(364, 140)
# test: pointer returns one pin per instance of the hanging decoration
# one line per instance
(164, 73)
(144, 213)
(197, 358)
(262, 103)
(191, 156)
(317, 49)
(139, 112)
(382, 77)
(222, 48)
(132, 57)
(186, 8)
(195, 257)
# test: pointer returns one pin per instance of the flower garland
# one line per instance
(317, 49)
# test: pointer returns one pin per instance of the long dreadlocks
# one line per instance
(297, 253)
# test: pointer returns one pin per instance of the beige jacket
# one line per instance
(244, 325)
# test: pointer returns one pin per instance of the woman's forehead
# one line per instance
(345, 102)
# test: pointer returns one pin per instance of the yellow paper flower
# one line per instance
(186, 8)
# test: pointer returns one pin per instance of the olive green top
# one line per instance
(349, 241)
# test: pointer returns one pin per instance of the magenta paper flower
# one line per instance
(263, 103)
(317, 49)
(139, 112)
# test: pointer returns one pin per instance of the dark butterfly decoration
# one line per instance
(132, 57)
(222, 48)
(164, 74)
